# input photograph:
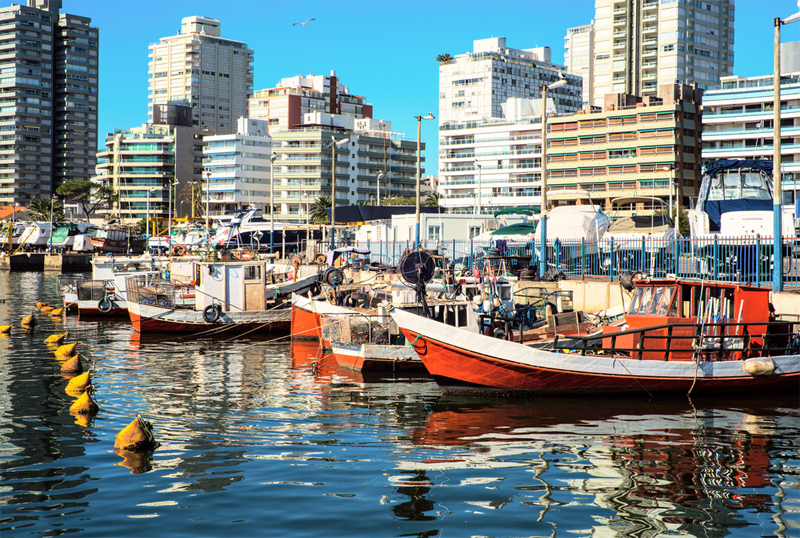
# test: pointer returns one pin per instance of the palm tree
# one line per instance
(317, 212)
(432, 200)
(39, 210)
(444, 58)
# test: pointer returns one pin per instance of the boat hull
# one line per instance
(154, 319)
(377, 358)
(305, 324)
(462, 361)
(119, 309)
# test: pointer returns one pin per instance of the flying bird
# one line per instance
(303, 23)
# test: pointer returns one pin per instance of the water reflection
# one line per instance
(673, 468)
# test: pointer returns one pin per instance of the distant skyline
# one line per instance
(384, 50)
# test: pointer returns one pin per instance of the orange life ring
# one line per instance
(179, 250)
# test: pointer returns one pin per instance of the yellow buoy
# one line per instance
(46, 309)
(79, 383)
(57, 312)
(28, 321)
(5, 329)
(136, 436)
(84, 405)
(40, 304)
(55, 338)
(72, 366)
(66, 350)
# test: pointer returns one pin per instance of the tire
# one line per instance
(211, 313)
(315, 289)
(104, 305)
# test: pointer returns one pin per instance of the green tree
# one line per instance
(402, 200)
(317, 211)
(432, 200)
(39, 210)
(88, 194)
(444, 58)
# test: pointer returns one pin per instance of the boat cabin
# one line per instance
(679, 310)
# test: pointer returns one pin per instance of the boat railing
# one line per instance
(358, 328)
(144, 289)
(676, 341)
(94, 290)
(67, 283)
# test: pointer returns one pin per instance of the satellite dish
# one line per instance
(416, 267)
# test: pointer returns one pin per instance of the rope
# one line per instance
(634, 377)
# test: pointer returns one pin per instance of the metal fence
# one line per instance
(731, 259)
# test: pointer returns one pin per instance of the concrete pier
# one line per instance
(70, 262)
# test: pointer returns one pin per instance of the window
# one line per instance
(252, 272)
(434, 232)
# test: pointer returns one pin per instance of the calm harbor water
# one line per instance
(266, 439)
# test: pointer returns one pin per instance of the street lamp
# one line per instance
(208, 198)
(172, 185)
(777, 192)
(478, 197)
(381, 175)
(50, 239)
(272, 201)
(543, 213)
(332, 144)
(148, 234)
(430, 116)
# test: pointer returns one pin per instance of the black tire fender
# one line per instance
(211, 313)
(104, 305)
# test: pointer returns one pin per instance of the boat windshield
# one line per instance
(653, 301)
(738, 184)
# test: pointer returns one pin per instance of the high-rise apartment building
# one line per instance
(631, 147)
(579, 57)
(477, 84)
(642, 44)
(304, 168)
(144, 163)
(48, 100)
(738, 123)
(237, 168)
(200, 69)
(284, 106)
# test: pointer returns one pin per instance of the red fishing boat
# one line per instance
(678, 336)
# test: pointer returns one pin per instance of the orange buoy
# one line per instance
(77, 385)
(57, 312)
(84, 405)
(136, 436)
(66, 350)
(55, 338)
(73, 365)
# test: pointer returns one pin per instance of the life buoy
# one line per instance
(211, 313)
(104, 305)
(179, 250)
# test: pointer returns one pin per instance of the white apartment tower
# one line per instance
(579, 56)
(477, 84)
(200, 69)
(237, 168)
(48, 100)
(284, 106)
(641, 44)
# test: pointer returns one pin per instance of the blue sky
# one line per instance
(384, 50)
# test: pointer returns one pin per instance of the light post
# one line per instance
(777, 192)
(543, 213)
(172, 185)
(430, 116)
(50, 238)
(272, 201)
(478, 197)
(383, 173)
(208, 199)
(333, 144)
(147, 235)
(378, 188)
